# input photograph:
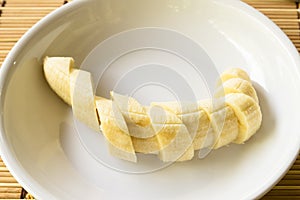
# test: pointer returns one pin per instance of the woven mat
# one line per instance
(16, 16)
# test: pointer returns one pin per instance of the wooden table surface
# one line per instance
(17, 16)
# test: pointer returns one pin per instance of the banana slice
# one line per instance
(173, 137)
(204, 136)
(115, 130)
(57, 73)
(233, 73)
(135, 115)
(187, 112)
(195, 119)
(82, 98)
(132, 109)
(236, 85)
(248, 114)
(225, 124)
(223, 121)
(146, 145)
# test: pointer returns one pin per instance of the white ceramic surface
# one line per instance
(42, 149)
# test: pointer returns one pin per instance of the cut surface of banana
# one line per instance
(172, 130)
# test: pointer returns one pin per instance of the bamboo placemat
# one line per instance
(16, 16)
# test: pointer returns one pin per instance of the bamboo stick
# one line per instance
(289, 26)
(10, 196)
(286, 192)
(287, 6)
(295, 167)
(3, 169)
(2, 57)
(290, 34)
(291, 177)
(12, 39)
(20, 18)
(286, 20)
(25, 14)
(20, 21)
(16, 25)
(10, 190)
(273, 6)
(280, 10)
(274, 2)
(281, 17)
(10, 36)
(6, 48)
(294, 172)
(291, 187)
(285, 182)
(10, 185)
(1, 161)
(295, 40)
(294, 37)
(13, 29)
(4, 45)
(280, 198)
(27, 8)
(292, 31)
(39, 1)
(8, 179)
(295, 23)
(5, 174)
(34, 4)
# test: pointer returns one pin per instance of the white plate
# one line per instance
(52, 161)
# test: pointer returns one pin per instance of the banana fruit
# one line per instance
(172, 130)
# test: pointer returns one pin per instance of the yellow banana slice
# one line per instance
(248, 114)
(194, 118)
(146, 145)
(57, 73)
(233, 73)
(115, 130)
(135, 115)
(223, 121)
(236, 85)
(82, 98)
(225, 124)
(173, 137)
(132, 109)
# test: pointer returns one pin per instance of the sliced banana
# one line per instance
(204, 136)
(57, 73)
(132, 109)
(146, 145)
(173, 130)
(82, 98)
(248, 114)
(233, 73)
(187, 112)
(114, 129)
(194, 118)
(236, 85)
(173, 137)
(135, 115)
(225, 124)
